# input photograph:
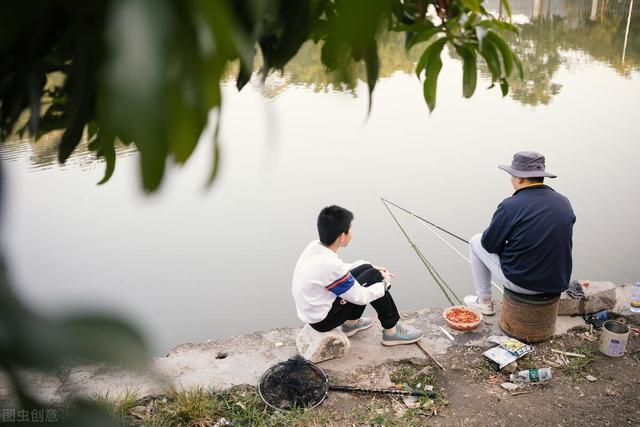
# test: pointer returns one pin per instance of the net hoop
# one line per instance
(299, 363)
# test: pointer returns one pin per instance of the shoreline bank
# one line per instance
(224, 363)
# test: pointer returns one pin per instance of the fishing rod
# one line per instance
(456, 251)
(430, 268)
(425, 222)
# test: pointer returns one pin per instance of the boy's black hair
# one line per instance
(332, 222)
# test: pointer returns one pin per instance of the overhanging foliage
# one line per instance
(148, 72)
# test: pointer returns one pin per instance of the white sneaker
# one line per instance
(473, 301)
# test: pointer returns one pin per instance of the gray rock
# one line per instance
(320, 346)
(598, 296)
(510, 386)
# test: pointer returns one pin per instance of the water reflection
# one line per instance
(551, 31)
(44, 153)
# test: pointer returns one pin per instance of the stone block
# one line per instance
(598, 296)
(319, 346)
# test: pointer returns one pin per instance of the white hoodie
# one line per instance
(320, 277)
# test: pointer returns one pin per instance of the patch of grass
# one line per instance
(242, 406)
(578, 329)
(416, 377)
(239, 406)
(482, 368)
(187, 407)
(118, 406)
(383, 413)
(412, 375)
(375, 414)
(578, 366)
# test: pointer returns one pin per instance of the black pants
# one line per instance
(343, 310)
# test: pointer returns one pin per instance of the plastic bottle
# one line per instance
(634, 305)
(531, 376)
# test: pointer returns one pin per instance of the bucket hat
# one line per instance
(527, 164)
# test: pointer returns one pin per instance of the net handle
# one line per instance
(410, 392)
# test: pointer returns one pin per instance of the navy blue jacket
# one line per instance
(532, 233)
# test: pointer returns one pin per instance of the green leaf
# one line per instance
(473, 5)
(101, 338)
(519, 67)
(372, 63)
(497, 25)
(319, 30)
(490, 54)
(109, 153)
(329, 54)
(422, 36)
(415, 27)
(469, 71)
(188, 118)
(507, 7)
(215, 167)
(141, 80)
(83, 412)
(505, 51)
(433, 65)
(294, 28)
(481, 32)
(245, 72)
(420, 65)
(504, 87)
(104, 146)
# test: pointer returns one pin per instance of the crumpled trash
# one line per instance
(508, 351)
(597, 319)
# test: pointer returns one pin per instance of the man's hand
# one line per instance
(386, 274)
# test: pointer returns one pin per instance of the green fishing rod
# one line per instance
(385, 201)
(430, 268)
(425, 222)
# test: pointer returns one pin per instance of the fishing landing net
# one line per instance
(295, 383)
(299, 383)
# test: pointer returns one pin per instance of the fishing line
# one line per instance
(424, 222)
(454, 249)
(432, 271)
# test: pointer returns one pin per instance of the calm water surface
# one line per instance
(191, 264)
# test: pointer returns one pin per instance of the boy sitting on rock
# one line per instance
(329, 292)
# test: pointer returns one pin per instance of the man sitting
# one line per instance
(329, 292)
(527, 246)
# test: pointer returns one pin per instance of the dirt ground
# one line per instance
(471, 395)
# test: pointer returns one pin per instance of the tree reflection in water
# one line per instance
(551, 33)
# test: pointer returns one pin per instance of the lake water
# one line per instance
(190, 263)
